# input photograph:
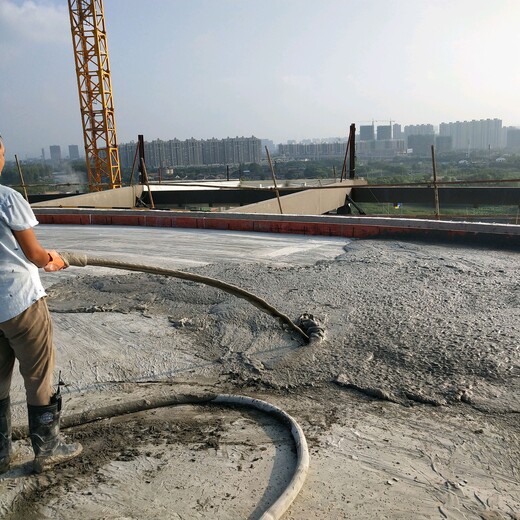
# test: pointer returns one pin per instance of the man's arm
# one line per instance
(32, 249)
(35, 253)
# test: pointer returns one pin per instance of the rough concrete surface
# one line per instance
(410, 405)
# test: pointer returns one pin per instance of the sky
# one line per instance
(275, 69)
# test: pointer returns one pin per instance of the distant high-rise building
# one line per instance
(384, 132)
(483, 134)
(397, 132)
(73, 152)
(380, 149)
(270, 146)
(366, 133)
(443, 143)
(55, 154)
(513, 138)
(421, 145)
(418, 130)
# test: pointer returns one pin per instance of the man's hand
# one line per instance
(56, 262)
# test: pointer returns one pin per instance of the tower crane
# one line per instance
(89, 38)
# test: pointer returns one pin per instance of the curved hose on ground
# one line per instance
(280, 506)
(82, 260)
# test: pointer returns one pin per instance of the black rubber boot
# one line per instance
(5, 434)
(44, 429)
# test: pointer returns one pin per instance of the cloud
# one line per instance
(29, 21)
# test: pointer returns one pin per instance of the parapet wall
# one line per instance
(325, 225)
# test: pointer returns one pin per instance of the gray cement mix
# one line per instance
(410, 404)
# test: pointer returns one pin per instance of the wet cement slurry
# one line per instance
(410, 404)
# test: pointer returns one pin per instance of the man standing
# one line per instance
(26, 332)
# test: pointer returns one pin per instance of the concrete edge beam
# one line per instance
(325, 225)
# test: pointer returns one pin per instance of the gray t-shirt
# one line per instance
(20, 284)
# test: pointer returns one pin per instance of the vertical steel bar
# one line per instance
(140, 145)
(21, 178)
(145, 177)
(344, 167)
(274, 180)
(435, 186)
(133, 165)
(352, 142)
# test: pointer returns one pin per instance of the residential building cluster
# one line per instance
(388, 140)
(314, 150)
(372, 141)
(484, 134)
(194, 152)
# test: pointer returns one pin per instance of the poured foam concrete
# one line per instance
(407, 324)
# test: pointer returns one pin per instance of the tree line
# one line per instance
(399, 170)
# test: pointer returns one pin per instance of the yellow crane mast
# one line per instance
(89, 38)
